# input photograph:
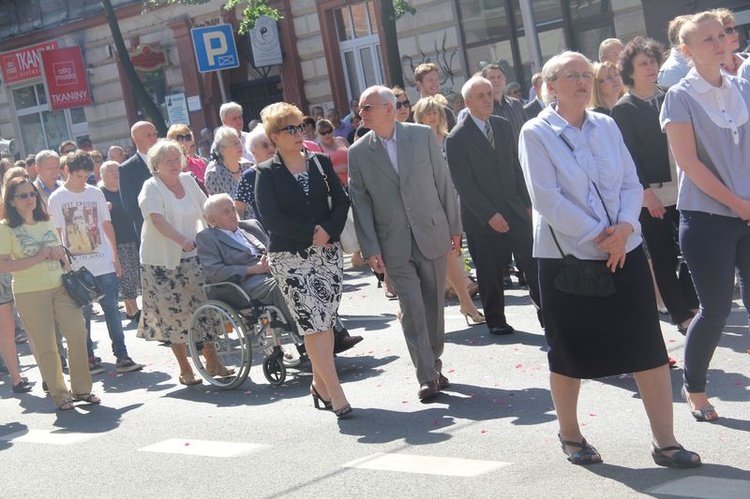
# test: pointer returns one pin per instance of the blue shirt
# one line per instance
(560, 183)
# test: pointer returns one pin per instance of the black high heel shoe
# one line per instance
(344, 412)
(317, 400)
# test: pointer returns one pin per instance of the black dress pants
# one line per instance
(486, 249)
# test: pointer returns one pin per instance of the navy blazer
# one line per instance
(290, 215)
(133, 173)
(488, 180)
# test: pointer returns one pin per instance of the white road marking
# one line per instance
(203, 447)
(702, 487)
(428, 465)
(54, 437)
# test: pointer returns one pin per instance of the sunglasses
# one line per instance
(183, 138)
(26, 195)
(609, 79)
(405, 103)
(730, 30)
(292, 129)
(329, 132)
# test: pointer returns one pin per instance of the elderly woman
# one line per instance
(637, 115)
(428, 111)
(171, 277)
(262, 150)
(127, 240)
(293, 191)
(193, 163)
(30, 250)
(607, 88)
(707, 122)
(732, 60)
(335, 148)
(587, 198)
(224, 172)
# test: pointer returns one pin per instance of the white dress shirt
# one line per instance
(560, 182)
(391, 146)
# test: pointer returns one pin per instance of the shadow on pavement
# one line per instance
(8, 429)
(478, 336)
(92, 418)
(151, 381)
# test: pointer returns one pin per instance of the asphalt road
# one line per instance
(491, 434)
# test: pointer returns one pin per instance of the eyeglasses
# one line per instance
(26, 195)
(574, 75)
(405, 103)
(68, 151)
(328, 132)
(610, 79)
(730, 30)
(292, 129)
(183, 138)
(368, 107)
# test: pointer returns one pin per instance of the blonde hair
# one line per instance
(178, 129)
(159, 151)
(107, 166)
(691, 25)
(601, 70)
(277, 116)
(724, 15)
(429, 105)
(551, 67)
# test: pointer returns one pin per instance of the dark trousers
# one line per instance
(713, 247)
(486, 249)
(660, 238)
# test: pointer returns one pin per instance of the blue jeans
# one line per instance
(713, 247)
(108, 284)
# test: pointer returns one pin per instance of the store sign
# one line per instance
(147, 58)
(65, 76)
(264, 39)
(177, 109)
(24, 64)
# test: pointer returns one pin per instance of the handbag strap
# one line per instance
(69, 255)
(322, 174)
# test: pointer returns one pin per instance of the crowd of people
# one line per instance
(630, 169)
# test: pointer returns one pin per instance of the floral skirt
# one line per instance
(169, 299)
(311, 281)
(130, 280)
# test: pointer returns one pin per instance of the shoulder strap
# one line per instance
(322, 173)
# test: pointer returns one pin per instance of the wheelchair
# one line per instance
(229, 323)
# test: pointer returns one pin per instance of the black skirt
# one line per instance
(597, 337)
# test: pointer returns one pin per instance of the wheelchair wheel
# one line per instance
(217, 326)
(274, 369)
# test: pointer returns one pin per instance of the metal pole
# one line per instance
(221, 88)
(532, 37)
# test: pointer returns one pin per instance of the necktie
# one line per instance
(489, 134)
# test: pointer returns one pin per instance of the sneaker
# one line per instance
(95, 368)
(126, 365)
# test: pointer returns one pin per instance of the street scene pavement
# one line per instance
(492, 433)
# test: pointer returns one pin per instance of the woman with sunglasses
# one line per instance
(225, 170)
(30, 250)
(335, 148)
(403, 106)
(732, 60)
(194, 164)
(607, 88)
(707, 120)
(305, 256)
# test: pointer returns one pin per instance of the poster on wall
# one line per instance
(177, 109)
(264, 39)
(65, 76)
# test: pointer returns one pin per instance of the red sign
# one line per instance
(148, 58)
(24, 64)
(65, 75)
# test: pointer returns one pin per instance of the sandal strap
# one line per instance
(668, 448)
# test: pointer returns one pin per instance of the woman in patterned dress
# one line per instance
(224, 172)
(304, 253)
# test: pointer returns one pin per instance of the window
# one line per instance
(357, 32)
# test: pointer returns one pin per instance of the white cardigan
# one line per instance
(156, 198)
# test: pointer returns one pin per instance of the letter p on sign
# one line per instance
(215, 48)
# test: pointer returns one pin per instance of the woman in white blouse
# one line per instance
(707, 120)
(171, 276)
(587, 199)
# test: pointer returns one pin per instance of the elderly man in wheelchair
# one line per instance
(243, 294)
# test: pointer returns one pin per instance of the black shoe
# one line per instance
(135, 317)
(501, 330)
(23, 386)
(507, 283)
(345, 343)
(428, 390)
(443, 382)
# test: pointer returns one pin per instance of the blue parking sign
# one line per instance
(215, 48)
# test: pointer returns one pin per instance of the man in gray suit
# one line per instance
(235, 251)
(406, 216)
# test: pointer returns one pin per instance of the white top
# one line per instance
(560, 183)
(185, 215)
(79, 216)
(391, 147)
(744, 70)
(721, 121)
(674, 68)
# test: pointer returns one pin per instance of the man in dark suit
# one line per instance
(495, 205)
(235, 251)
(535, 105)
(134, 171)
(406, 216)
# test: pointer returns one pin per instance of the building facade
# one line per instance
(332, 50)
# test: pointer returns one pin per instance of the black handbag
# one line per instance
(587, 278)
(80, 284)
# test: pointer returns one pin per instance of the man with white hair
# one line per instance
(116, 153)
(234, 251)
(495, 205)
(407, 220)
(230, 114)
(134, 172)
(48, 173)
